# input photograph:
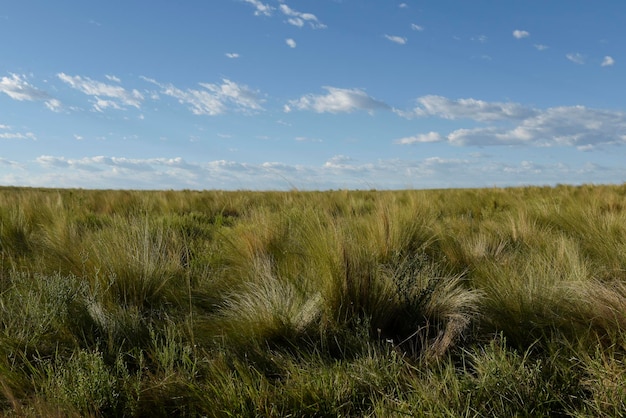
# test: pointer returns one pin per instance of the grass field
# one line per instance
(472, 303)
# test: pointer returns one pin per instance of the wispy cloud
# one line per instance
(396, 39)
(214, 99)
(17, 88)
(232, 55)
(574, 126)
(480, 38)
(241, 96)
(417, 27)
(520, 34)
(7, 133)
(200, 102)
(113, 172)
(54, 105)
(9, 163)
(339, 171)
(337, 100)
(17, 135)
(514, 124)
(421, 138)
(298, 19)
(291, 43)
(576, 57)
(260, 7)
(479, 110)
(608, 61)
(104, 95)
(307, 139)
(541, 47)
(100, 163)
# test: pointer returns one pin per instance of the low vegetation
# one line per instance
(473, 303)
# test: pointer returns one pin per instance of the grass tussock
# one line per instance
(488, 302)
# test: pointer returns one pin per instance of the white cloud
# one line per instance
(214, 99)
(298, 19)
(340, 171)
(480, 38)
(8, 133)
(117, 97)
(573, 126)
(421, 138)
(439, 172)
(17, 135)
(575, 57)
(113, 78)
(417, 27)
(101, 104)
(9, 163)
(239, 95)
(261, 8)
(403, 5)
(513, 124)
(520, 34)
(54, 105)
(608, 61)
(479, 110)
(290, 42)
(337, 100)
(119, 164)
(338, 161)
(201, 102)
(396, 39)
(17, 88)
(541, 47)
(48, 160)
(232, 55)
(115, 172)
(307, 139)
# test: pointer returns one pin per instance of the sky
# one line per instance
(311, 94)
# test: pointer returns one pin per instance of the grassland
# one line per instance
(489, 302)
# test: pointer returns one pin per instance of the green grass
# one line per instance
(473, 303)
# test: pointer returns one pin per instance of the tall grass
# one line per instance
(488, 302)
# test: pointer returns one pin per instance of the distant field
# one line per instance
(473, 303)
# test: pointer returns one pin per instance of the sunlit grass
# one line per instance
(489, 302)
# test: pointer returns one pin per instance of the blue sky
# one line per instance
(324, 94)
